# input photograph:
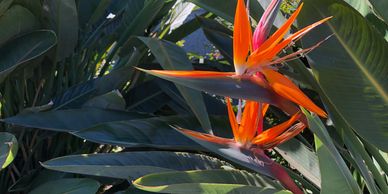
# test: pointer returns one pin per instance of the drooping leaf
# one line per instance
(8, 149)
(15, 21)
(208, 181)
(69, 186)
(131, 165)
(172, 57)
(23, 49)
(70, 119)
(64, 17)
(351, 67)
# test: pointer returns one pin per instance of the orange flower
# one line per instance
(254, 57)
(249, 133)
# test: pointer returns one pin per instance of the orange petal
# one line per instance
(293, 38)
(287, 89)
(249, 122)
(270, 134)
(259, 55)
(265, 108)
(232, 119)
(290, 133)
(206, 137)
(242, 37)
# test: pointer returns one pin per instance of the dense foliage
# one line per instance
(79, 117)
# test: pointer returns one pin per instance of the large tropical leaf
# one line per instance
(172, 57)
(131, 165)
(369, 12)
(23, 49)
(70, 119)
(351, 67)
(15, 21)
(208, 181)
(8, 149)
(64, 17)
(69, 186)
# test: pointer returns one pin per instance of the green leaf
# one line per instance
(219, 36)
(301, 158)
(64, 17)
(24, 48)
(351, 67)
(335, 175)
(224, 85)
(16, 20)
(171, 56)
(8, 148)
(112, 100)
(68, 186)
(365, 9)
(150, 132)
(70, 119)
(208, 181)
(131, 165)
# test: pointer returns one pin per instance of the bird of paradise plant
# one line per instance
(250, 138)
(255, 77)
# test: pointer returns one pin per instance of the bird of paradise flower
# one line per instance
(250, 139)
(255, 77)
(256, 80)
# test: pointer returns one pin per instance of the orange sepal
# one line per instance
(260, 55)
(290, 133)
(206, 137)
(287, 89)
(232, 119)
(242, 36)
(249, 122)
(270, 134)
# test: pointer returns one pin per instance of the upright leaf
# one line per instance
(351, 67)
(335, 175)
(64, 17)
(172, 57)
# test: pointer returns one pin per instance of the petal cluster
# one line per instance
(249, 133)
